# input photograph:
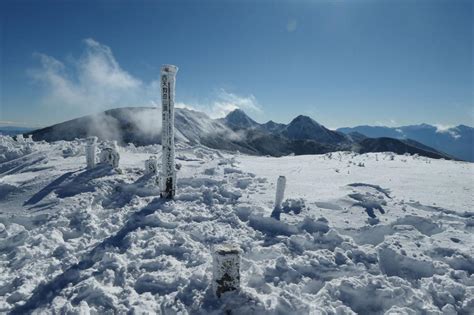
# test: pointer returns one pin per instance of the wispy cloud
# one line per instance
(227, 102)
(448, 129)
(94, 81)
(17, 124)
(386, 123)
(224, 102)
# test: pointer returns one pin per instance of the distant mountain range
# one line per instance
(13, 130)
(456, 141)
(235, 132)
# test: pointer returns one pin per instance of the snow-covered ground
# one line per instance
(368, 234)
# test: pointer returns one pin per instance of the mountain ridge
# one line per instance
(235, 132)
(457, 141)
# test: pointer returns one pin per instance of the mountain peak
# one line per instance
(303, 127)
(237, 111)
(302, 119)
(239, 119)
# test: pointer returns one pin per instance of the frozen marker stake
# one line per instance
(168, 181)
(280, 191)
(151, 166)
(91, 151)
(110, 155)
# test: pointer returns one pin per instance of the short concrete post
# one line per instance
(151, 166)
(20, 138)
(91, 151)
(280, 191)
(110, 155)
(226, 269)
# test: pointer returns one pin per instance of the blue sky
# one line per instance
(344, 63)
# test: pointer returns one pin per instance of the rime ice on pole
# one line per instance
(168, 181)
(91, 148)
(151, 166)
(110, 155)
(280, 191)
(226, 269)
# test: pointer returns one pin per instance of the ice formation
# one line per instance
(151, 166)
(110, 155)
(280, 191)
(91, 152)
(168, 179)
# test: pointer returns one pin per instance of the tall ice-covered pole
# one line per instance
(168, 177)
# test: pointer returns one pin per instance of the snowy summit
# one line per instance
(219, 188)
(375, 233)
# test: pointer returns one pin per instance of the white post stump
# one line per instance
(151, 166)
(226, 269)
(280, 191)
(110, 155)
(168, 79)
(20, 138)
(91, 152)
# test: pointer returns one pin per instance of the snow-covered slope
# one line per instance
(373, 233)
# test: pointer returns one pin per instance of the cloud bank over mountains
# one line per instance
(95, 81)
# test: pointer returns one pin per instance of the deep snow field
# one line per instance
(367, 234)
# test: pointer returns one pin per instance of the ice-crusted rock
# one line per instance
(10, 149)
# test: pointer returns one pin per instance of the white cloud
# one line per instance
(227, 102)
(95, 81)
(451, 130)
(223, 103)
(17, 124)
(386, 123)
(442, 128)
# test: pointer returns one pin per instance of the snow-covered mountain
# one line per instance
(238, 119)
(456, 141)
(303, 135)
(142, 126)
(304, 127)
(273, 127)
(375, 233)
(235, 132)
